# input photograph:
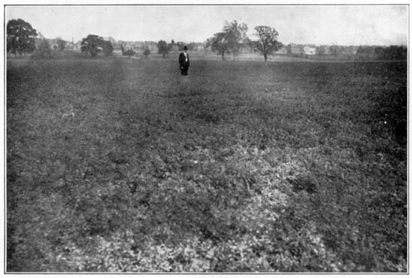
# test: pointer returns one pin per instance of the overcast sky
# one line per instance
(308, 24)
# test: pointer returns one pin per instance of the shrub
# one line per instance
(129, 53)
(146, 52)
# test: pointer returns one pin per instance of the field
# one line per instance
(122, 165)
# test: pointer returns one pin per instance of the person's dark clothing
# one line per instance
(184, 62)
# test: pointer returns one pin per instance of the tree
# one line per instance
(396, 52)
(235, 36)
(393, 52)
(20, 37)
(230, 40)
(267, 42)
(218, 43)
(107, 48)
(163, 48)
(92, 44)
(61, 44)
(128, 53)
(146, 52)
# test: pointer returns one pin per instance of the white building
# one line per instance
(309, 50)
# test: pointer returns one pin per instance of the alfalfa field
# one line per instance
(123, 165)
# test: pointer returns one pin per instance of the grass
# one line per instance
(123, 165)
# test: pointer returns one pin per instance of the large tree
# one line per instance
(94, 44)
(218, 43)
(230, 40)
(267, 42)
(20, 37)
(235, 35)
(91, 44)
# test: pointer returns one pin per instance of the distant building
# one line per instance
(77, 46)
(295, 49)
(126, 45)
(309, 50)
(69, 45)
(152, 46)
(349, 50)
(199, 47)
(174, 48)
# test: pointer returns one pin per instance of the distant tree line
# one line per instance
(393, 52)
(23, 38)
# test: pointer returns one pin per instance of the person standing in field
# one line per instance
(184, 61)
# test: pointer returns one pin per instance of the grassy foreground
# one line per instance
(122, 165)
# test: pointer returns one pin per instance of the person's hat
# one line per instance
(185, 47)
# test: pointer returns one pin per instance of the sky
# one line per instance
(302, 24)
